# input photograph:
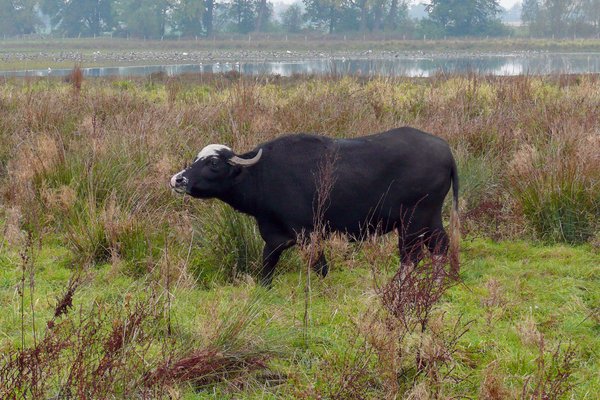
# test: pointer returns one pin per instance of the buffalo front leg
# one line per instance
(321, 266)
(271, 254)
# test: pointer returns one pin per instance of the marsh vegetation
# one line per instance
(112, 287)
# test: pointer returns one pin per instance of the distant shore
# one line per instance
(17, 54)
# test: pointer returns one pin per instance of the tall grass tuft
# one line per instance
(234, 351)
(93, 195)
(229, 241)
(557, 185)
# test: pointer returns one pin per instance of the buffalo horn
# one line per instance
(235, 160)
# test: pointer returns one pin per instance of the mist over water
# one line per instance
(502, 65)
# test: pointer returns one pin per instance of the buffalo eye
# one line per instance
(214, 162)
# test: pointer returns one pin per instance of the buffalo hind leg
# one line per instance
(321, 266)
(437, 239)
(410, 245)
(437, 244)
(271, 254)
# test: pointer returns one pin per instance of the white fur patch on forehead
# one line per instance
(211, 150)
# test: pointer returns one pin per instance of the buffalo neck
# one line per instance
(244, 194)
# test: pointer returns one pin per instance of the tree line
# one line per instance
(188, 18)
(561, 18)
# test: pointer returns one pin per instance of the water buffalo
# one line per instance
(395, 180)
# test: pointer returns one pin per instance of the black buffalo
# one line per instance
(395, 180)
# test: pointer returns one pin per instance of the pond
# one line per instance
(411, 66)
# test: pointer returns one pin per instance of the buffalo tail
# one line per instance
(454, 235)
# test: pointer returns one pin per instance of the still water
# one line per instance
(514, 64)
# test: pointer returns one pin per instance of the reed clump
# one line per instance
(556, 184)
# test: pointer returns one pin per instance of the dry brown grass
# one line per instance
(552, 378)
(528, 332)
(492, 386)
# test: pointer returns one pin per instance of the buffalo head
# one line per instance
(213, 172)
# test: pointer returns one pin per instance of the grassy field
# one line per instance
(113, 287)
(18, 54)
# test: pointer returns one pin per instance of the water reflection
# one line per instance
(401, 66)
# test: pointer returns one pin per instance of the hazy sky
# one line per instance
(508, 3)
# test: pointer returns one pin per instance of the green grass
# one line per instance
(556, 287)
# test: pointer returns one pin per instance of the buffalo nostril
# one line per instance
(179, 180)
